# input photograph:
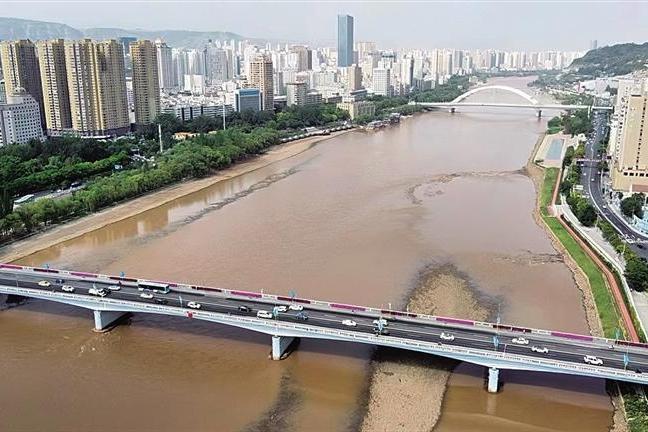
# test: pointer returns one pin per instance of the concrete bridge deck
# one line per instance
(487, 344)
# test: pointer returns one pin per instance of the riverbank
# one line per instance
(590, 283)
(406, 390)
(67, 231)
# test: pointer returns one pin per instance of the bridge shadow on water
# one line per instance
(220, 332)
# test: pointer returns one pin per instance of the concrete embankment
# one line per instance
(406, 389)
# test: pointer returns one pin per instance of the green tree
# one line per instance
(636, 273)
(633, 205)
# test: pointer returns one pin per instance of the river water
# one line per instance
(354, 219)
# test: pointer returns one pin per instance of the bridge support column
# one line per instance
(451, 110)
(539, 113)
(493, 380)
(280, 346)
(106, 320)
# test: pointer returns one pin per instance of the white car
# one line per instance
(44, 283)
(281, 308)
(100, 292)
(296, 307)
(67, 288)
(447, 336)
(593, 360)
(520, 341)
(193, 305)
(349, 323)
(381, 321)
(539, 349)
(114, 288)
(264, 314)
(146, 295)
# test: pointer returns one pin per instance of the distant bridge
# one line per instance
(495, 346)
(531, 102)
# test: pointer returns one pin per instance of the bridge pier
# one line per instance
(280, 346)
(451, 110)
(493, 380)
(106, 320)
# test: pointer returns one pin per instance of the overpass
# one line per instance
(531, 103)
(487, 344)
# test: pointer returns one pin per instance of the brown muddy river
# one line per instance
(353, 219)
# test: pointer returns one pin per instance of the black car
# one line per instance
(244, 309)
(161, 301)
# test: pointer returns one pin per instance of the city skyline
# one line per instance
(408, 23)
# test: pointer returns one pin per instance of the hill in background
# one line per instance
(612, 60)
(16, 28)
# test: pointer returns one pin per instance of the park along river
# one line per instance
(354, 219)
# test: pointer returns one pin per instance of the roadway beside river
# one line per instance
(76, 228)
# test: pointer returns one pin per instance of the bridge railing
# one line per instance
(340, 307)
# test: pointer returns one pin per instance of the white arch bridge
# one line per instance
(530, 102)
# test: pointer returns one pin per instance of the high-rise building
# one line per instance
(301, 58)
(97, 86)
(382, 82)
(260, 76)
(166, 74)
(20, 69)
(56, 96)
(630, 168)
(345, 41)
(217, 68)
(247, 99)
(354, 77)
(20, 119)
(146, 84)
(296, 93)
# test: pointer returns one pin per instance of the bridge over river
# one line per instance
(494, 346)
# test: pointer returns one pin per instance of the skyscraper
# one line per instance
(146, 84)
(20, 69)
(217, 69)
(345, 41)
(166, 74)
(56, 96)
(261, 78)
(354, 76)
(97, 86)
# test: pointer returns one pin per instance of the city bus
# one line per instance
(153, 286)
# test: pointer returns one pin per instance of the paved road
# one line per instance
(591, 177)
(430, 331)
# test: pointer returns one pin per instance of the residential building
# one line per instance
(146, 83)
(358, 108)
(296, 93)
(165, 71)
(56, 95)
(354, 77)
(20, 69)
(630, 166)
(217, 68)
(247, 99)
(97, 86)
(345, 41)
(382, 82)
(260, 76)
(20, 118)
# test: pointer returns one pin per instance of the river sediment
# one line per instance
(406, 389)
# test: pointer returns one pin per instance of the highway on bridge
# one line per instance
(563, 347)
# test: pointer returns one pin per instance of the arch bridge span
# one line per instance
(508, 89)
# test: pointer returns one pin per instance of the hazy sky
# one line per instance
(506, 25)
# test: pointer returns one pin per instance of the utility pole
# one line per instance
(160, 137)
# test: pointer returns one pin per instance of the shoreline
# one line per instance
(536, 173)
(61, 233)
